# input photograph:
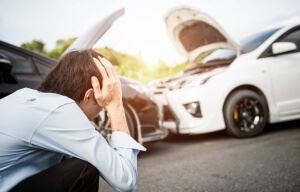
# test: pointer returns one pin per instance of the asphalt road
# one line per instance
(217, 162)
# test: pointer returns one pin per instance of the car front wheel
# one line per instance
(104, 125)
(245, 113)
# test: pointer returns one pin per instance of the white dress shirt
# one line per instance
(37, 129)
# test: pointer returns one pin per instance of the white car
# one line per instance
(237, 86)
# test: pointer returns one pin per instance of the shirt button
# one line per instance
(32, 99)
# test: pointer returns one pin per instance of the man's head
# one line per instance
(71, 77)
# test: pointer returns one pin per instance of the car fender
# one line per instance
(245, 80)
(138, 124)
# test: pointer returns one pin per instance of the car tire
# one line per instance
(245, 114)
(104, 127)
(131, 122)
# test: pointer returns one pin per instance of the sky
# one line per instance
(141, 31)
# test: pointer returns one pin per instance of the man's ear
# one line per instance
(89, 96)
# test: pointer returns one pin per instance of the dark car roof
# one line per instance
(51, 61)
(37, 56)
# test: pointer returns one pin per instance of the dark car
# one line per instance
(21, 68)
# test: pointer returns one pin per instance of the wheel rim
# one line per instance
(248, 114)
(105, 125)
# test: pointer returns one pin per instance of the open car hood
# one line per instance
(194, 32)
(91, 36)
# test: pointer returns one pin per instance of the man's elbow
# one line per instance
(128, 184)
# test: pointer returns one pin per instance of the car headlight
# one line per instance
(193, 108)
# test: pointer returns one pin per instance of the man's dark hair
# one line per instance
(71, 76)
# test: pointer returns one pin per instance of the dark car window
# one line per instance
(252, 42)
(21, 63)
(293, 36)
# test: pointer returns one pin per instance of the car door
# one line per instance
(23, 72)
(285, 74)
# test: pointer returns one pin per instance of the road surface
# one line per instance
(217, 162)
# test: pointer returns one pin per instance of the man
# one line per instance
(39, 128)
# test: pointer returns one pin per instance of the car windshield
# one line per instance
(224, 56)
(255, 40)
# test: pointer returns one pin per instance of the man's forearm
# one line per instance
(117, 117)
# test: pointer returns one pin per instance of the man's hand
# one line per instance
(110, 97)
(111, 93)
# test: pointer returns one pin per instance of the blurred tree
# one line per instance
(127, 65)
(37, 46)
(134, 67)
(161, 69)
(61, 46)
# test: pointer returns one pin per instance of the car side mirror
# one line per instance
(5, 71)
(283, 47)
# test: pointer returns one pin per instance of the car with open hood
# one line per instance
(21, 68)
(237, 86)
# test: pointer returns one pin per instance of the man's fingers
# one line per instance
(110, 81)
(101, 69)
(108, 66)
(96, 87)
(97, 92)
(108, 63)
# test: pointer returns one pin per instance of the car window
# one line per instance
(293, 37)
(290, 36)
(253, 41)
(21, 63)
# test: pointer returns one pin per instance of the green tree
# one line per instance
(161, 69)
(133, 67)
(37, 46)
(61, 46)
(127, 65)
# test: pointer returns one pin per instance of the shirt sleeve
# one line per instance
(67, 130)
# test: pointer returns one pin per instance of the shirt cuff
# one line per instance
(120, 139)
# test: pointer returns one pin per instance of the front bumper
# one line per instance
(149, 121)
(157, 135)
(177, 119)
